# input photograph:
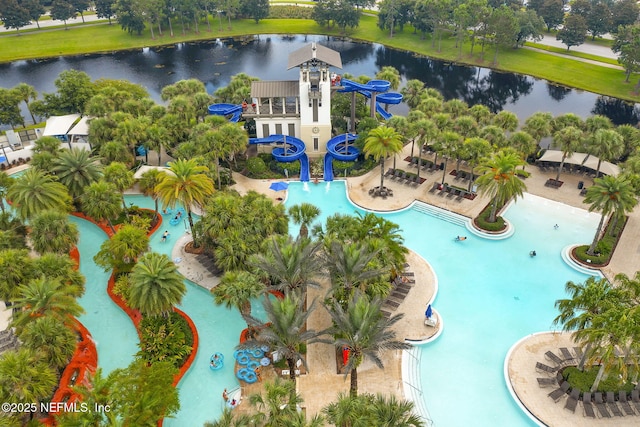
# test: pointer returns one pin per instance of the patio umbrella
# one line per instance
(278, 186)
(429, 312)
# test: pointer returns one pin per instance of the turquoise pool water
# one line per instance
(491, 294)
(117, 340)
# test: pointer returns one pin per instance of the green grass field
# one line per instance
(107, 38)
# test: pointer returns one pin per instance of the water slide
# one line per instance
(380, 87)
(233, 110)
(293, 149)
(338, 148)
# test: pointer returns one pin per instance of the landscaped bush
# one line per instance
(481, 221)
(604, 248)
(293, 168)
(522, 173)
(340, 167)
(165, 339)
(583, 380)
(290, 12)
(256, 167)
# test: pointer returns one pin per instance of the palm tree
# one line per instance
(370, 410)
(567, 119)
(17, 268)
(303, 214)
(539, 125)
(229, 419)
(349, 265)
(12, 232)
(45, 297)
(237, 289)
(605, 144)
(506, 120)
(5, 183)
(51, 231)
(148, 183)
(382, 142)
(123, 249)
(121, 177)
(392, 75)
(76, 169)
(524, 144)
(597, 121)
(584, 302)
(158, 139)
(278, 406)
(26, 377)
(455, 107)
(475, 149)
(498, 179)
(609, 195)
(60, 267)
(52, 339)
(412, 92)
(568, 140)
(364, 330)
(481, 113)
(26, 93)
(155, 285)
(292, 264)
(286, 330)
(188, 185)
(35, 192)
(101, 202)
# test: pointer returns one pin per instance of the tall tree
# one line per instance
(148, 183)
(504, 26)
(123, 249)
(365, 332)
(14, 15)
(237, 289)
(574, 31)
(101, 202)
(35, 191)
(498, 180)
(17, 269)
(51, 231)
(609, 195)
(120, 177)
(76, 169)
(27, 93)
(286, 330)
(627, 44)
(255, 9)
(52, 339)
(304, 214)
(552, 12)
(606, 145)
(155, 285)
(62, 11)
(599, 20)
(75, 89)
(567, 140)
(382, 142)
(188, 185)
(104, 9)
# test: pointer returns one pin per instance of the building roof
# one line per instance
(277, 89)
(590, 162)
(314, 51)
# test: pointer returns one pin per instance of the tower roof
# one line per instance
(314, 51)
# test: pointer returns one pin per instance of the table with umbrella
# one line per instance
(279, 186)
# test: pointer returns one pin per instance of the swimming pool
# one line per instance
(116, 339)
(491, 294)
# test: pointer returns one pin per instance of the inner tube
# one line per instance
(253, 364)
(216, 361)
(247, 375)
(243, 359)
(257, 353)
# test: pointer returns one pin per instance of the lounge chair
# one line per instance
(397, 173)
(566, 354)
(547, 382)
(611, 403)
(572, 400)
(579, 353)
(626, 407)
(587, 405)
(560, 391)
(600, 406)
(553, 357)
(546, 368)
(635, 398)
(434, 187)
(389, 172)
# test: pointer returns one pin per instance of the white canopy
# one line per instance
(60, 125)
(590, 162)
(81, 128)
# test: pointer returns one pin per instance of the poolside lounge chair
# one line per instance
(547, 382)
(566, 354)
(560, 391)
(635, 398)
(434, 187)
(611, 403)
(602, 409)
(572, 400)
(553, 357)
(546, 368)
(389, 172)
(626, 407)
(579, 353)
(587, 405)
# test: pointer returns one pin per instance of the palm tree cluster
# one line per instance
(603, 318)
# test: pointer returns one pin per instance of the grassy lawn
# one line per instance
(106, 38)
(574, 54)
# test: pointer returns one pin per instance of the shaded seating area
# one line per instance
(577, 163)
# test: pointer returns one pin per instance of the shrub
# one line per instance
(522, 173)
(293, 168)
(583, 380)
(166, 339)
(339, 167)
(481, 221)
(121, 287)
(290, 12)
(256, 167)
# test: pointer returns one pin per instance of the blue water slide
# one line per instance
(338, 148)
(233, 110)
(293, 149)
(380, 87)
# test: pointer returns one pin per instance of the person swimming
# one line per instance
(532, 254)
(461, 238)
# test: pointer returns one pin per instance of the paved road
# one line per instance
(547, 40)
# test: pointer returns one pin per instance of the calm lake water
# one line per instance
(265, 56)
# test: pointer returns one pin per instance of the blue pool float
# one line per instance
(247, 375)
(253, 365)
(257, 353)
(242, 357)
(216, 362)
(176, 219)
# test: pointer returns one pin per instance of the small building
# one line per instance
(299, 108)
